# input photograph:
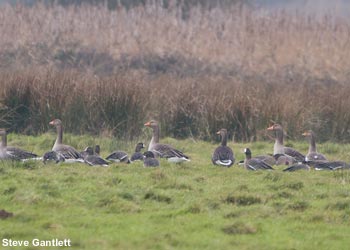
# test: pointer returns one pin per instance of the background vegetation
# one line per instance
(195, 69)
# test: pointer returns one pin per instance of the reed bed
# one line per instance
(108, 71)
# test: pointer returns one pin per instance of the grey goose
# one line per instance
(163, 150)
(66, 151)
(223, 155)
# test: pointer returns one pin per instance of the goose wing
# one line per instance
(20, 154)
(167, 151)
(68, 152)
(294, 153)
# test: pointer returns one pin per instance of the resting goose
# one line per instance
(330, 165)
(149, 160)
(254, 163)
(163, 150)
(118, 156)
(92, 159)
(53, 156)
(286, 155)
(296, 167)
(68, 152)
(313, 155)
(137, 155)
(223, 155)
(12, 153)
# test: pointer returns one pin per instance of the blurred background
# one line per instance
(105, 67)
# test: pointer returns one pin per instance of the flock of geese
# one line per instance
(222, 155)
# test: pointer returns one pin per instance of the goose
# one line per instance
(137, 155)
(254, 163)
(92, 159)
(223, 155)
(287, 155)
(97, 149)
(312, 155)
(296, 167)
(118, 156)
(330, 165)
(149, 160)
(86, 152)
(164, 150)
(12, 153)
(68, 152)
(53, 156)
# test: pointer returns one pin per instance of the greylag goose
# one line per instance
(284, 155)
(92, 159)
(86, 152)
(163, 150)
(149, 160)
(12, 153)
(298, 166)
(254, 163)
(313, 155)
(223, 155)
(118, 156)
(53, 156)
(137, 155)
(68, 152)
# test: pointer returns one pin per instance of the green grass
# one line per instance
(189, 206)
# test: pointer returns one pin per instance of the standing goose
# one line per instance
(68, 152)
(313, 155)
(254, 163)
(137, 155)
(149, 160)
(163, 150)
(12, 153)
(223, 155)
(92, 159)
(284, 155)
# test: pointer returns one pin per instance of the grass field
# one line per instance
(189, 206)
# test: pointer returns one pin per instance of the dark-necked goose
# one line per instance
(149, 160)
(313, 155)
(286, 155)
(68, 152)
(254, 163)
(13, 153)
(118, 156)
(164, 150)
(92, 159)
(223, 155)
(137, 155)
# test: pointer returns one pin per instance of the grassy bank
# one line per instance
(189, 206)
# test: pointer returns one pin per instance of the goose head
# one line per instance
(56, 122)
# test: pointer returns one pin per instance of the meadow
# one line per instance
(189, 206)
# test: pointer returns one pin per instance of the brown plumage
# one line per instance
(312, 154)
(12, 153)
(223, 155)
(163, 150)
(68, 152)
(287, 155)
